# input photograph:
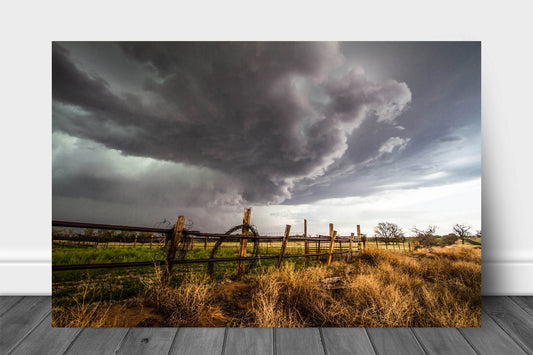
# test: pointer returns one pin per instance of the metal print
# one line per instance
(266, 184)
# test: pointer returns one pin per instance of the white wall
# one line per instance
(27, 29)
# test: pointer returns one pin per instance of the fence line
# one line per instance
(177, 236)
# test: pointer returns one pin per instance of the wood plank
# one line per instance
(242, 341)
(399, 341)
(18, 321)
(98, 341)
(512, 318)
(443, 341)
(347, 341)
(525, 302)
(45, 339)
(6, 302)
(148, 341)
(298, 341)
(198, 341)
(490, 339)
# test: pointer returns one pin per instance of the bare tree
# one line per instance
(478, 233)
(429, 231)
(426, 237)
(388, 232)
(462, 231)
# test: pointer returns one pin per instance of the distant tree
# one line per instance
(89, 232)
(388, 232)
(449, 239)
(462, 231)
(426, 237)
(478, 233)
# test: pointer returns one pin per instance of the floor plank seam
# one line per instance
(322, 341)
(173, 341)
(121, 343)
(468, 341)
(419, 342)
(224, 341)
(274, 345)
(517, 341)
(521, 306)
(28, 333)
(13, 305)
(72, 342)
(371, 341)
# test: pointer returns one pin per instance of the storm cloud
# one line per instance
(145, 130)
(267, 114)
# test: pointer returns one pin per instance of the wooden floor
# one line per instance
(507, 328)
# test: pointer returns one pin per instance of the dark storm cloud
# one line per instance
(266, 115)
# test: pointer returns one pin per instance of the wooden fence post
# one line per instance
(283, 245)
(306, 242)
(135, 241)
(359, 235)
(349, 256)
(173, 247)
(151, 240)
(244, 242)
(331, 245)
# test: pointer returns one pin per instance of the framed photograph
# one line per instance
(266, 184)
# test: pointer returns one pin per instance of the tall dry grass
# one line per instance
(189, 304)
(379, 288)
(85, 313)
(438, 288)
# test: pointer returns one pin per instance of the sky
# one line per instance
(345, 133)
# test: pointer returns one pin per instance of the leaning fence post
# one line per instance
(331, 245)
(244, 242)
(306, 242)
(283, 245)
(359, 235)
(349, 256)
(173, 247)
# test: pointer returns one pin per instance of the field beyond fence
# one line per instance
(178, 241)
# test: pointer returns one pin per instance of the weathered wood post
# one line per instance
(306, 242)
(331, 245)
(244, 242)
(283, 245)
(175, 237)
(349, 256)
(151, 240)
(359, 236)
(135, 241)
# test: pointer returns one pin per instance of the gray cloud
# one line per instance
(263, 116)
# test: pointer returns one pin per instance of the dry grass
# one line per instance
(187, 305)
(441, 288)
(427, 288)
(85, 313)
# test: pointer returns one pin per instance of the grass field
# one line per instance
(436, 287)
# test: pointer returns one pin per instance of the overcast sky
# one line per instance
(346, 133)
